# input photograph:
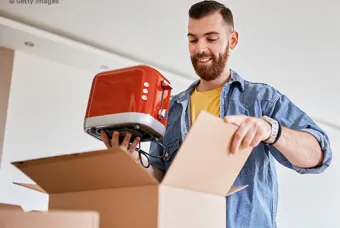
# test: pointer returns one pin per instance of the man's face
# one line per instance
(208, 45)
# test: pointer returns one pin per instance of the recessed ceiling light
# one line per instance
(104, 67)
(29, 44)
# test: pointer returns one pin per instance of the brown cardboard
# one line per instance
(86, 171)
(192, 193)
(6, 68)
(55, 219)
(206, 164)
(10, 206)
(31, 186)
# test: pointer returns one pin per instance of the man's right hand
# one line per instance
(131, 148)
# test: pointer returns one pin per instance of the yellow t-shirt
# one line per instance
(208, 101)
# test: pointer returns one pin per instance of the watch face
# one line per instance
(272, 121)
(266, 118)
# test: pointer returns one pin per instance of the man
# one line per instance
(268, 121)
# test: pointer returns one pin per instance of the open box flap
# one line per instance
(204, 163)
(31, 186)
(103, 169)
(10, 206)
(236, 189)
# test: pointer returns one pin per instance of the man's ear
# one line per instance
(233, 40)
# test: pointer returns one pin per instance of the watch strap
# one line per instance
(278, 134)
(274, 130)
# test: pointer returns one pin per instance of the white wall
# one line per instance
(45, 113)
(45, 117)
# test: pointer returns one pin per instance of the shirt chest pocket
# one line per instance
(255, 163)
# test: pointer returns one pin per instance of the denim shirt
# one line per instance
(256, 205)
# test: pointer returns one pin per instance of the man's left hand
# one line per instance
(251, 131)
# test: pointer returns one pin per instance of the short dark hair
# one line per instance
(205, 8)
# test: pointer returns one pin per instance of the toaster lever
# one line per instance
(162, 112)
(166, 85)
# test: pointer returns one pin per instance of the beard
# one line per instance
(215, 69)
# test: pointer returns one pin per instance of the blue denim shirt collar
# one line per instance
(235, 78)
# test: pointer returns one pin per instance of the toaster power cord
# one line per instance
(147, 155)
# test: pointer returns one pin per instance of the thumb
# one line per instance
(234, 119)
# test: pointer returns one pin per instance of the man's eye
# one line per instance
(193, 41)
(212, 40)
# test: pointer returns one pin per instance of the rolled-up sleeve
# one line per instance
(289, 115)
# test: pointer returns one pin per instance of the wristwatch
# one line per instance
(275, 129)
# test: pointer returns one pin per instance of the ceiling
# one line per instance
(292, 45)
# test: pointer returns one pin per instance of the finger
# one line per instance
(126, 141)
(235, 119)
(248, 139)
(238, 137)
(115, 138)
(134, 153)
(105, 139)
(134, 144)
(257, 139)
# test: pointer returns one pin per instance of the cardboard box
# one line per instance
(5, 206)
(192, 193)
(57, 219)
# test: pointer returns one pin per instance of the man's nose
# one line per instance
(200, 47)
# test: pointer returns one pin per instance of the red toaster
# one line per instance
(133, 99)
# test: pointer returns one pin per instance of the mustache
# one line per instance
(202, 55)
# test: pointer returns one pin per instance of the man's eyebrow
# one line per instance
(206, 34)
(211, 33)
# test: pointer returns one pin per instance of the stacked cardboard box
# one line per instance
(15, 218)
